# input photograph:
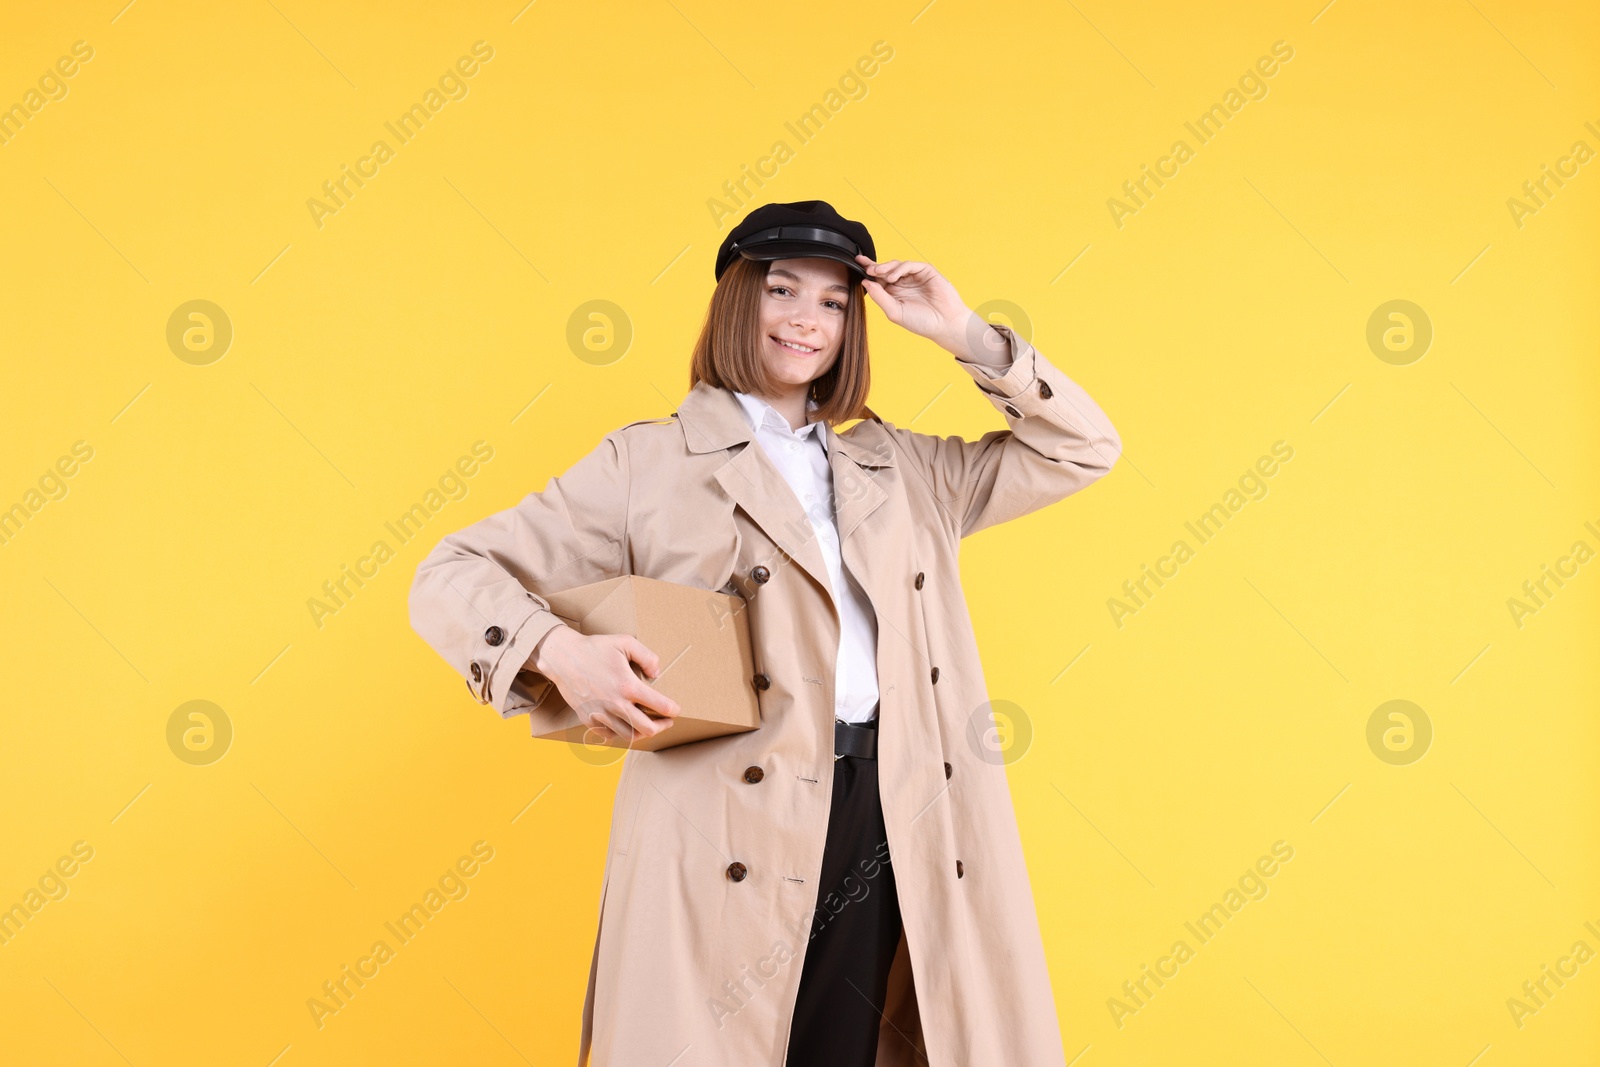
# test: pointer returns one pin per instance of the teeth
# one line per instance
(797, 348)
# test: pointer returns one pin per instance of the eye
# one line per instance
(837, 304)
(776, 288)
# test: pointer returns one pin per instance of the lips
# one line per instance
(796, 347)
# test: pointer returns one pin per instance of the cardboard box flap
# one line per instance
(603, 607)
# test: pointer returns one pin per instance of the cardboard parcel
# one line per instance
(703, 639)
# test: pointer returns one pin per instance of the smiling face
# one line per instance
(815, 303)
(803, 306)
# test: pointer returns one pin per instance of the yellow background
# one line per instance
(431, 312)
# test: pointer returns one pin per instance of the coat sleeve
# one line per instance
(1059, 441)
(475, 597)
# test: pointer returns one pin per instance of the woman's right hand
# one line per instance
(594, 675)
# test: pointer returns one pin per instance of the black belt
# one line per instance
(855, 739)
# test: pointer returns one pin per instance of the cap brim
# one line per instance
(801, 250)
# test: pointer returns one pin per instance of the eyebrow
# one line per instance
(796, 277)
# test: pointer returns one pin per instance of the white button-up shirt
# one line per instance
(802, 458)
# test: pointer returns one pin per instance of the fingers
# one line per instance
(889, 305)
(639, 709)
(606, 713)
(613, 720)
(637, 724)
(639, 692)
(636, 651)
(624, 720)
(654, 700)
(604, 725)
(891, 271)
(884, 272)
(916, 272)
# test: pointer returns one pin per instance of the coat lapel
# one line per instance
(868, 553)
(856, 492)
(712, 420)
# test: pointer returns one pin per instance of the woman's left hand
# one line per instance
(916, 296)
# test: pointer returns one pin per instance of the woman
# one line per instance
(843, 886)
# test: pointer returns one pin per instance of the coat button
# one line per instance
(754, 774)
(762, 681)
(1013, 412)
(1044, 389)
(760, 575)
(919, 579)
(935, 675)
(736, 871)
(494, 635)
(477, 673)
(960, 870)
(947, 772)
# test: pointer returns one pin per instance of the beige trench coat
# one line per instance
(691, 967)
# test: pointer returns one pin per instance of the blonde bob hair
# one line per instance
(727, 355)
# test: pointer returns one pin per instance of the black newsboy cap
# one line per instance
(791, 231)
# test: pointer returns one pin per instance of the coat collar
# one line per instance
(712, 419)
(761, 414)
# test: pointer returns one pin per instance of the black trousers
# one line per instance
(855, 930)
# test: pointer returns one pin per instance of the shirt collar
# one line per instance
(759, 413)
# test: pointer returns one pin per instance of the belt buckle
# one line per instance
(837, 722)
